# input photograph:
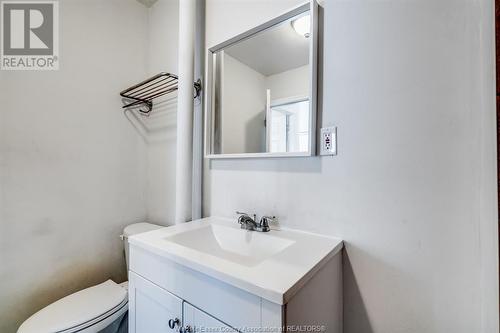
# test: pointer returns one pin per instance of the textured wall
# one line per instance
(72, 170)
(410, 85)
(163, 35)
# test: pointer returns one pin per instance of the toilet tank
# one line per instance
(134, 229)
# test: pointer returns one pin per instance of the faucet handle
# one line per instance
(246, 214)
(264, 222)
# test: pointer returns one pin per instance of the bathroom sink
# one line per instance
(272, 265)
(240, 246)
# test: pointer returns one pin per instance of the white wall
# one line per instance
(291, 83)
(410, 85)
(72, 168)
(243, 108)
(161, 147)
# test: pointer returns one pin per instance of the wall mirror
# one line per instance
(262, 89)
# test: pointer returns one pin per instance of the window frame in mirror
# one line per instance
(281, 102)
(210, 93)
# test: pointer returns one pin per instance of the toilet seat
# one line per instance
(100, 322)
(88, 310)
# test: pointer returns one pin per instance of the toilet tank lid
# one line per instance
(76, 309)
(137, 228)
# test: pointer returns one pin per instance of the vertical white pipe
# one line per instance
(184, 160)
(199, 71)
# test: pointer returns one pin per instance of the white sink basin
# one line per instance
(240, 246)
(272, 265)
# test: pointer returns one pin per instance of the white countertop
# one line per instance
(276, 277)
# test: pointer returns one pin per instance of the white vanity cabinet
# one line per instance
(152, 307)
(154, 310)
(280, 281)
(198, 321)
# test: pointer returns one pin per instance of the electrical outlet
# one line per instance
(328, 141)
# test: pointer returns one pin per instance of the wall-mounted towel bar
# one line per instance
(145, 92)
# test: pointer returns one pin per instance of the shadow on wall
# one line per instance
(160, 124)
(282, 164)
(255, 134)
(354, 306)
(367, 276)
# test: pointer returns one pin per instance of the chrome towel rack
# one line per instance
(143, 94)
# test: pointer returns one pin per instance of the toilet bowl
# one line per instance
(101, 308)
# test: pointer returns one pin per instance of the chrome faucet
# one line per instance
(248, 223)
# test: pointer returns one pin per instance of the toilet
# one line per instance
(101, 308)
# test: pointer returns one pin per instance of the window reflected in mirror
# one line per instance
(289, 128)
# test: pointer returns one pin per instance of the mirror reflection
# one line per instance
(262, 91)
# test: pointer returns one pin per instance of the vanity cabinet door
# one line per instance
(151, 308)
(198, 321)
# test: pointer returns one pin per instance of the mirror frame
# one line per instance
(311, 6)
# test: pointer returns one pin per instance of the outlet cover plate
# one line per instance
(328, 141)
